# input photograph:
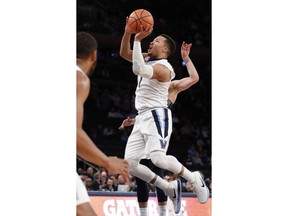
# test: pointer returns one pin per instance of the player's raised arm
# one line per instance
(125, 47)
(187, 82)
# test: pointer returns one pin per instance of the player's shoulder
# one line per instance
(82, 78)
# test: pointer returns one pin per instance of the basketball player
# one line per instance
(86, 62)
(175, 88)
(153, 124)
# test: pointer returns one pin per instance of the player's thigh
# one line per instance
(156, 143)
(85, 209)
(135, 148)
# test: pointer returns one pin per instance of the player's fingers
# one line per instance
(126, 173)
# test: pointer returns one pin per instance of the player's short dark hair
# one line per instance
(86, 44)
(170, 43)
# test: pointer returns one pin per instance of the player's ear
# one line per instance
(93, 56)
(166, 50)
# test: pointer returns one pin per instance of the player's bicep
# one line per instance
(161, 73)
(184, 84)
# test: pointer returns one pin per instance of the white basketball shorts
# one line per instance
(81, 192)
(151, 132)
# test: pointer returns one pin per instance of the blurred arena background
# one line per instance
(113, 82)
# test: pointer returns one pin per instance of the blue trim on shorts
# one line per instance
(156, 119)
(166, 123)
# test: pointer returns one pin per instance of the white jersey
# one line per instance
(150, 93)
(79, 69)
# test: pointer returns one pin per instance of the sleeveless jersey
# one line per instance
(78, 69)
(150, 93)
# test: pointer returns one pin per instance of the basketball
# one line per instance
(140, 17)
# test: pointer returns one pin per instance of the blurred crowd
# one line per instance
(101, 180)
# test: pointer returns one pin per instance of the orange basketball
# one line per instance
(140, 17)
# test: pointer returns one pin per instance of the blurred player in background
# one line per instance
(86, 62)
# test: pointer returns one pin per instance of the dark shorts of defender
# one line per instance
(142, 186)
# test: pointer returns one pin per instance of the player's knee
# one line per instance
(157, 158)
(132, 165)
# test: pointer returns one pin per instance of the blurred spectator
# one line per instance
(192, 150)
(89, 184)
(189, 161)
(109, 131)
(90, 173)
(197, 159)
(103, 179)
(110, 185)
(115, 113)
(96, 181)
(84, 176)
(123, 181)
(80, 171)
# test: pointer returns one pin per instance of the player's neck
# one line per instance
(84, 67)
(155, 59)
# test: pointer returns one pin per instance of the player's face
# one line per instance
(156, 47)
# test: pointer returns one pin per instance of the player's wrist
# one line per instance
(186, 60)
(128, 33)
(136, 39)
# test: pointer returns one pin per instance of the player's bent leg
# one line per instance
(175, 192)
(162, 198)
(168, 162)
(196, 179)
(85, 209)
(138, 170)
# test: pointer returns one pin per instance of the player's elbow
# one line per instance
(196, 79)
(125, 55)
(145, 71)
(192, 80)
(121, 53)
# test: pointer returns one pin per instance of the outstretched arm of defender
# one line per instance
(187, 82)
(127, 122)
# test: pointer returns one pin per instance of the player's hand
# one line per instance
(127, 28)
(118, 166)
(185, 50)
(127, 122)
(144, 32)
